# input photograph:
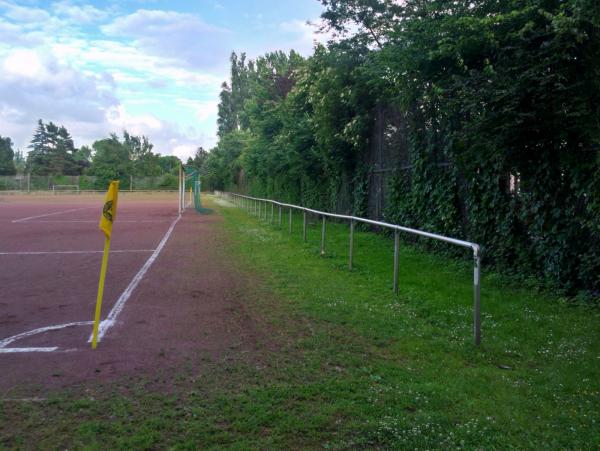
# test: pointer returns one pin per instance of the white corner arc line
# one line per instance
(116, 251)
(15, 350)
(4, 343)
(50, 214)
(118, 307)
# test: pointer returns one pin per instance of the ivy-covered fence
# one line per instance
(479, 120)
(534, 219)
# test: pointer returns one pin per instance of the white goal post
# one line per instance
(65, 189)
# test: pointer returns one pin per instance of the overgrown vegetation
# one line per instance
(354, 365)
(500, 124)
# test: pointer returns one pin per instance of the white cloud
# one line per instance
(23, 63)
(80, 14)
(305, 35)
(205, 110)
(35, 82)
(11, 34)
(28, 15)
(184, 151)
(118, 118)
(128, 61)
(172, 35)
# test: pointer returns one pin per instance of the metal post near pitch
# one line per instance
(179, 198)
(279, 216)
(476, 296)
(323, 228)
(272, 211)
(304, 227)
(351, 247)
(396, 258)
(290, 221)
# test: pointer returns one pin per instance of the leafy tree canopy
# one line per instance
(7, 164)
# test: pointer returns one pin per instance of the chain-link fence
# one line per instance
(28, 182)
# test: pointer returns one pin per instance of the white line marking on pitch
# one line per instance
(116, 251)
(14, 350)
(4, 343)
(112, 316)
(50, 214)
(118, 307)
(60, 221)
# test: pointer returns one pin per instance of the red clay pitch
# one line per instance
(50, 252)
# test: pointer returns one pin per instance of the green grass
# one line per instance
(350, 364)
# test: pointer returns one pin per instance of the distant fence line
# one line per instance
(29, 182)
(258, 207)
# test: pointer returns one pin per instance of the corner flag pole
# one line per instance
(109, 213)
(100, 292)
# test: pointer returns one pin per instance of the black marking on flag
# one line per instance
(107, 210)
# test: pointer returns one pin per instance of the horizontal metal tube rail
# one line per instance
(473, 246)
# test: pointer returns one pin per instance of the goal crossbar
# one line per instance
(65, 189)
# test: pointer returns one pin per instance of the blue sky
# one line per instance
(151, 67)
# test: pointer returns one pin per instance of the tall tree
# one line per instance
(110, 161)
(143, 161)
(52, 151)
(366, 21)
(20, 161)
(169, 164)
(200, 156)
(38, 158)
(7, 164)
(226, 120)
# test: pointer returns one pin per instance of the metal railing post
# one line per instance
(323, 237)
(476, 295)
(259, 207)
(396, 257)
(351, 248)
(304, 227)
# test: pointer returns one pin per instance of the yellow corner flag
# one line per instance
(109, 213)
(109, 210)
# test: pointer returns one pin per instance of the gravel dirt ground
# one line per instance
(190, 302)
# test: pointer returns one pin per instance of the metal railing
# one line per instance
(258, 207)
